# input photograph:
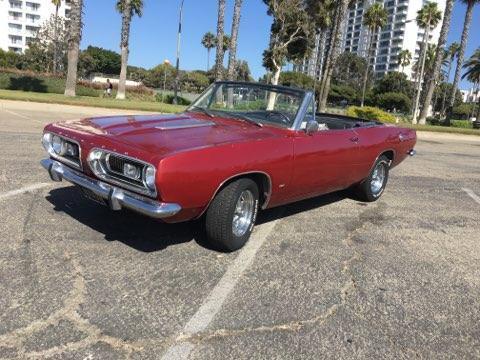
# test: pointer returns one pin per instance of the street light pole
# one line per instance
(177, 67)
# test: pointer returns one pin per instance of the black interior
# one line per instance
(339, 122)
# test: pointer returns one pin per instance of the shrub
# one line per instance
(462, 111)
(168, 99)
(464, 124)
(371, 113)
(48, 83)
(393, 101)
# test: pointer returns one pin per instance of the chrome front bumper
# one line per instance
(115, 197)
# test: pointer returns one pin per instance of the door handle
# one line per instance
(354, 139)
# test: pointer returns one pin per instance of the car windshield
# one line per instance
(257, 104)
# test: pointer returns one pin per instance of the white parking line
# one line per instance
(23, 190)
(214, 301)
(470, 193)
(17, 114)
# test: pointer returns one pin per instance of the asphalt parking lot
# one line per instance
(324, 278)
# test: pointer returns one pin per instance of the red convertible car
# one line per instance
(238, 148)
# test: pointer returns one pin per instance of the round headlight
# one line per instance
(58, 145)
(150, 177)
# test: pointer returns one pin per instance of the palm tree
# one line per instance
(463, 44)
(333, 52)
(209, 41)
(74, 37)
(428, 18)
(128, 8)
(439, 59)
(472, 74)
(57, 4)
(220, 40)
(374, 19)
(232, 54)
(452, 53)
(404, 58)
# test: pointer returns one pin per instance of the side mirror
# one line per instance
(311, 128)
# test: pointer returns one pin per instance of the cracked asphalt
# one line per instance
(335, 278)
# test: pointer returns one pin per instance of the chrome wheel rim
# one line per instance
(243, 215)
(378, 178)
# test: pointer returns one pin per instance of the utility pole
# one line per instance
(177, 67)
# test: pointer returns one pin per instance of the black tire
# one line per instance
(220, 214)
(364, 190)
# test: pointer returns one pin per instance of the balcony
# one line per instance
(15, 40)
(32, 19)
(15, 4)
(33, 7)
(15, 29)
(32, 30)
(15, 16)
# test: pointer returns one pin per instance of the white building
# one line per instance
(470, 96)
(400, 33)
(21, 19)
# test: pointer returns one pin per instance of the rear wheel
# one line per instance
(231, 216)
(374, 185)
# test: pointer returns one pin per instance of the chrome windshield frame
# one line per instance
(307, 97)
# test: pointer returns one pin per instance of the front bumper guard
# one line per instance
(115, 197)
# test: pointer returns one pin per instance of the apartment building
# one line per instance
(400, 33)
(21, 19)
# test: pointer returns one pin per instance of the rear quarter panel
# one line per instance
(374, 141)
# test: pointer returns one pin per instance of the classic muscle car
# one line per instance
(238, 148)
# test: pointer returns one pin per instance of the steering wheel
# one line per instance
(285, 118)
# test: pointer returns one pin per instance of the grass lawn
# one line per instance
(90, 101)
(442, 129)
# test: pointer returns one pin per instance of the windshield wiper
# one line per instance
(247, 119)
(203, 110)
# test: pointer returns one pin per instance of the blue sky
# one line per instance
(153, 37)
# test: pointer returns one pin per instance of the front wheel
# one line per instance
(231, 216)
(374, 185)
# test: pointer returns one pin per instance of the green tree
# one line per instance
(438, 61)
(374, 19)
(209, 41)
(463, 44)
(74, 37)
(428, 18)
(128, 9)
(404, 58)
(333, 51)
(242, 71)
(104, 61)
(232, 54)
(394, 82)
(220, 42)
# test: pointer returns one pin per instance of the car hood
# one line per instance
(163, 134)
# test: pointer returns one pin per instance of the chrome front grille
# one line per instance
(116, 163)
(114, 168)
